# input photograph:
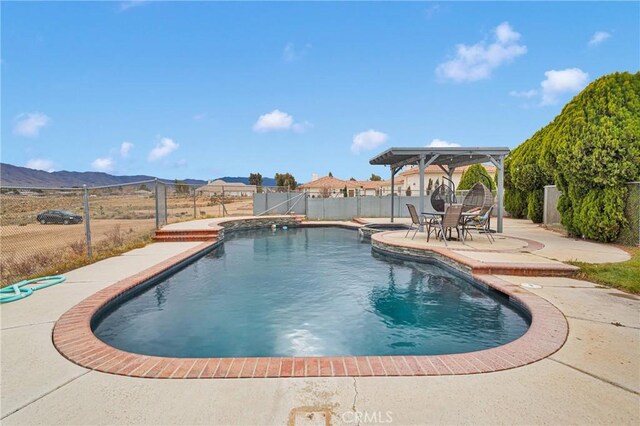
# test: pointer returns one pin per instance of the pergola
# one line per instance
(447, 159)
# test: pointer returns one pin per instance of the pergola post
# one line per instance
(500, 192)
(421, 168)
(393, 190)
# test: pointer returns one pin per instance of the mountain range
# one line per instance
(11, 175)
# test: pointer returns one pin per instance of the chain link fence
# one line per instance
(188, 202)
(28, 244)
(47, 231)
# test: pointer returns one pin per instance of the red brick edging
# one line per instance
(476, 267)
(74, 339)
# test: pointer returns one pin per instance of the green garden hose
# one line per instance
(19, 290)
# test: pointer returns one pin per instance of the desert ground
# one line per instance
(116, 218)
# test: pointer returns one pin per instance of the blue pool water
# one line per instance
(309, 292)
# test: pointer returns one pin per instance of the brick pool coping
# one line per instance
(410, 248)
(74, 339)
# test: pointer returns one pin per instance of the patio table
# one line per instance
(436, 214)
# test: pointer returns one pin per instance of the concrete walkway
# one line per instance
(593, 379)
(556, 247)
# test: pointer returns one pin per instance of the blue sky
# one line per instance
(203, 90)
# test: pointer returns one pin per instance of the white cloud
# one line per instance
(102, 164)
(477, 62)
(274, 120)
(527, 94)
(570, 80)
(301, 127)
(163, 148)
(291, 54)
(29, 124)
(199, 117)
(365, 141)
(277, 120)
(125, 148)
(126, 5)
(439, 143)
(40, 164)
(598, 37)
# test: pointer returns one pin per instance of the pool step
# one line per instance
(186, 235)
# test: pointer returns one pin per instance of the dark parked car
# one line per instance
(58, 216)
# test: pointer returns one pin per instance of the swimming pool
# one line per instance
(308, 292)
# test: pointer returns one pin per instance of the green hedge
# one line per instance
(630, 233)
(591, 150)
(524, 176)
(515, 202)
(535, 205)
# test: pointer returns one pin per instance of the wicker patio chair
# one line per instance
(479, 197)
(478, 200)
(441, 196)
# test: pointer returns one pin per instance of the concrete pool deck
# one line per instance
(593, 378)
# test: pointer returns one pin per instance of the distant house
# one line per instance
(398, 183)
(410, 178)
(330, 187)
(232, 189)
(372, 187)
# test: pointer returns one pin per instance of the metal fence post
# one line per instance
(157, 209)
(194, 204)
(223, 211)
(87, 225)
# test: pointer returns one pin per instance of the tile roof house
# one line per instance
(330, 187)
(410, 178)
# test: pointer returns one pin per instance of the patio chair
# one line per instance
(479, 197)
(450, 220)
(416, 220)
(441, 196)
(480, 223)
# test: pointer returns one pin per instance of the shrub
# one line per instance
(515, 202)
(474, 174)
(286, 180)
(597, 151)
(78, 248)
(535, 205)
(590, 151)
(114, 237)
(600, 214)
(630, 233)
